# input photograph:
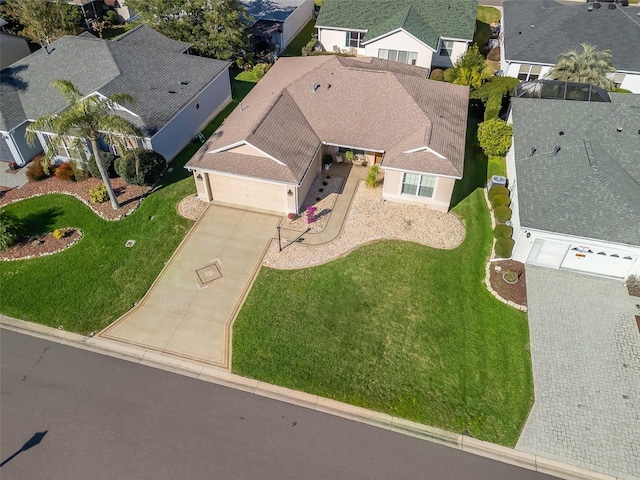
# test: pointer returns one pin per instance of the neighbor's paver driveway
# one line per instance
(181, 316)
(585, 350)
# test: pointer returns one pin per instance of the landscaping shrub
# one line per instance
(99, 194)
(494, 136)
(65, 171)
(308, 48)
(502, 214)
(35, 170)
(500, 201)
(80, 173)
(504, 247)
(503, 86)
(503, 231)
(58, 234)
(633, 285)
(494, 54)
(260, 69)
(10, 230)
(372, 176)
(437, 74)
(493, 107)
(450, 74)
(497, 190)
(150, 166)
(108, 160)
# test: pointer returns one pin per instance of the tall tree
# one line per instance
(86, 118)
(216, 28)
(590, 66)
(44, 21)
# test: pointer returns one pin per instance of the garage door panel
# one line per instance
(248, 193)
(601, 261)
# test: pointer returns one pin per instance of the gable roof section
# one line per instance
(146, 37)
(273, 10)
(537, 32)
(305, 101)
(592, 187)
(427, 20)
(146, 73)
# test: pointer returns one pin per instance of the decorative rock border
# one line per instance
(66, 247)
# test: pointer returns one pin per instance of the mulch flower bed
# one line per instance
(517, 292)
(44, 245)
(129, 196)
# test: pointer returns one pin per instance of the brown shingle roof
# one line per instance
(371, 104)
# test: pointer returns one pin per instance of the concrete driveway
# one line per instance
(189, 309)
(585, 349)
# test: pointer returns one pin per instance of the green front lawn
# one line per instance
(399, 328)
(91, 284)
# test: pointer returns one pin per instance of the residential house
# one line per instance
(534, 34)
(176, 94)
(269, 151)
(125, 13)
(426, 33)
(276, 22)
(90, 9)
(574, 175)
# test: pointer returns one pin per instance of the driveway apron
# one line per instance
(585, 350)
(188, 311)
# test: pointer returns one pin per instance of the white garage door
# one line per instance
(248, 193)
(584, 258)
(601, 261)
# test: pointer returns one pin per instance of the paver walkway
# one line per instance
(585, 349)
(182, 315)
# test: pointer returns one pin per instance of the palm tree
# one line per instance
(86, 118)
(590, 66)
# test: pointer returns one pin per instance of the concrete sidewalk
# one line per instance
(190, 307)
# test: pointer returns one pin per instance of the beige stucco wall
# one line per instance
(441, 199)
(307, 181)
(247, 150)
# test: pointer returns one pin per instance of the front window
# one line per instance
(66, 147)
(446, 48)
(398, 56)
(354, 39)
(420, 185)
(529, 73)
(130, 143)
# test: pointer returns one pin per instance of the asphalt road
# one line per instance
(66, 413)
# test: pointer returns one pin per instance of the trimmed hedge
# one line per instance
(108, 160)
(500, 201)
(493, 107)
(504, 247)
(502, 214)
(35, 170)
(502, 231)
(150, 166)
(437, 74)
(497, 190)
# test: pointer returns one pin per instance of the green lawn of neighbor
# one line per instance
(485, 16)
(294, 49)
(92, 283)
(399, 328)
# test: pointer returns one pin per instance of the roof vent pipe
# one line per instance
(533, 151)
(314, 87)
(556, 149)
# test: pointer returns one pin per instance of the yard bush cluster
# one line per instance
(10, 230)
(497, 190)
(140, 167)
(504, 247)
(308, 48)
(502, 231)
(437, 74)
(494, 54)
(99, 194)
(500, 201)
(494, 136)
(502, 214)
(108, 160)
(66, 171)
(260, 70)
(372, 176)
(58, 234)
(35, 170)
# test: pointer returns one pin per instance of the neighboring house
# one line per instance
(426, 33)
(277, 22)
(90, 9)
(533, 34)
(268, 152)
(12, 48)
(176, 94)
(125, 13)
(574, 175)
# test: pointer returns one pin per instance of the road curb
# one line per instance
(305, 400)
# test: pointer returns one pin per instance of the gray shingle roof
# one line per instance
(143, 36)
(565, 194)
(427, 20)
(146, 72)
(558, 28)
(353, 105)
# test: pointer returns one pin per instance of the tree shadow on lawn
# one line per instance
(40, 222)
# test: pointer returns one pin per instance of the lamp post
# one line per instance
(279, 244)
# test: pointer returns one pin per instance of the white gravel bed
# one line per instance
(192, 207)
(371, 219)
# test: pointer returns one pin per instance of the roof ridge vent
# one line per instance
(590, 155)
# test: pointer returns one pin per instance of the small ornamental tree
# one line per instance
(10, 230)
(494, 137)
